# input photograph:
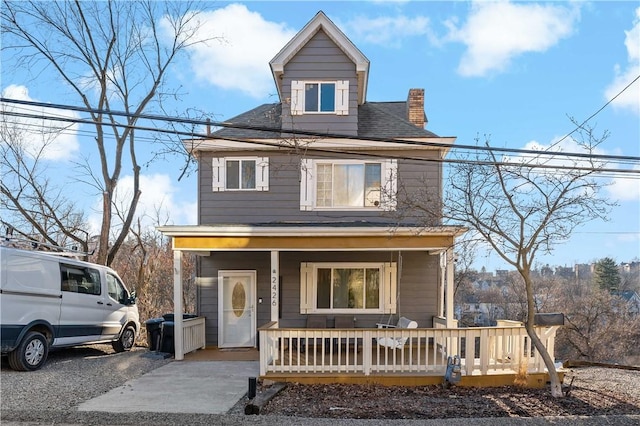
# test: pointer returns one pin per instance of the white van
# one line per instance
(51, 301)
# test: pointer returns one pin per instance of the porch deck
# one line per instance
(325, 355)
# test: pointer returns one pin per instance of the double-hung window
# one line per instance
(320, 97)
(240, 174)
(348, 287)
(348, 184)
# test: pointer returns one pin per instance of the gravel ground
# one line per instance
(51, 395)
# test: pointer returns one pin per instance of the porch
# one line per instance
(489, 355)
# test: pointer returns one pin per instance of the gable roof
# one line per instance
(375, 120)
(322, 22)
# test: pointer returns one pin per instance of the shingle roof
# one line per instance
(375, 119)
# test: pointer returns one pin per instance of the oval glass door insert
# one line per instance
(238, 299)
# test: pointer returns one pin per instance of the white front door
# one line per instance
(236, 309)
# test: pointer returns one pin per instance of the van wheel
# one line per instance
(126, 340)
(31, 354)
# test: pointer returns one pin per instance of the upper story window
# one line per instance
(348, 184)
(240, 174)
(320, 97)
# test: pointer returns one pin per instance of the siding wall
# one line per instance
(321, 59)
(418, 283)
(282, 201)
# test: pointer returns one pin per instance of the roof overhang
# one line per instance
(311, 238)
(322, 22)
(440, 143)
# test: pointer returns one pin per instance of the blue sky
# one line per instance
(512, 70)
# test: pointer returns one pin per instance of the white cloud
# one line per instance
(46, 139)
(567, 145)
(241, 44)
(386, 30)
(497, 32)
(158, 204)
(625, 188)
(630, 98)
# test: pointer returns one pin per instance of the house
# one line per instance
(301, 218)
(631, 299)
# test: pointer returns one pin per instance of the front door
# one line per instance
(236, 309)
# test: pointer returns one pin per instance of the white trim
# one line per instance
(219, 175)
(262, 174)
(252, 306)
(320, 21)
(389, 195)
(342, 97)
(387, 291)
(308, 231)
(388, 188)
(297, 97)
(219, 145)
(306, 184)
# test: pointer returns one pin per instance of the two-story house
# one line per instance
(301, 216)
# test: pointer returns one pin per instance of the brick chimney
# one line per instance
(415, 107)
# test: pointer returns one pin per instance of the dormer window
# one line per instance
(320, 97)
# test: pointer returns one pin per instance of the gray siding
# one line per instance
(282, 201)
(418, 283)
(321, 59)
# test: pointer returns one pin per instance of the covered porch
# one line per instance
(353, 354)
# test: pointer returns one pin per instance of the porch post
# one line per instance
(443, 264)
(275, 285)
(450, 316)
(177, 305)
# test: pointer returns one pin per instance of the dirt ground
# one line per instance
(594, 391)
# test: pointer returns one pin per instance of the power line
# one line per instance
(295, 132)
(369, 155)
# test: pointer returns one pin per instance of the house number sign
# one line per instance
(274, 287)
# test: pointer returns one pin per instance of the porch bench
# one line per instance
(313, 322)
(344, 343)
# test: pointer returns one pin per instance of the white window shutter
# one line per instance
(306, 288)
(306, 184)
(262, 174)
(342, 97)
(297, 97)
(218, 174)
(390, 189)
(390, 287)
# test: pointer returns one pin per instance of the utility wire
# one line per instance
(296, 147)
(294, 132)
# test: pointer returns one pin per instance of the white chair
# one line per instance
(396, 342)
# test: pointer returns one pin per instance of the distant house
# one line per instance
(632, 299)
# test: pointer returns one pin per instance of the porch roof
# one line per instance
(310, 237)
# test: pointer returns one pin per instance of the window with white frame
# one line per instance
(348, 184)
(240, 174)
(320, 97)
(348, 287)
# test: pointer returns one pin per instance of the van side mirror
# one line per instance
(132, 299)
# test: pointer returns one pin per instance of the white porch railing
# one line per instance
(482, 350)
(193, 334)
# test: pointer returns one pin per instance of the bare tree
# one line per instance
(113, 57)
(522, 207)
(146, 265)
(33, 208)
